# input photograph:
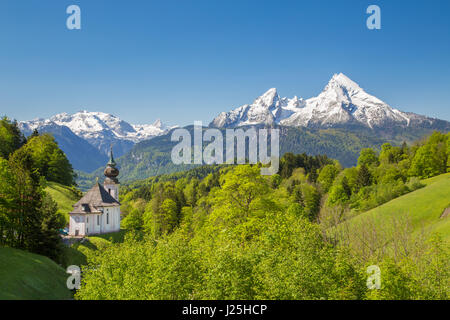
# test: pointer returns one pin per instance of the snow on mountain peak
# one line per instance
(340, 79)
(97, 127)
(268, 99)
(157, 123)
(342, 101)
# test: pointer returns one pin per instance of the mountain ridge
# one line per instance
(341, 102)
(86, 137)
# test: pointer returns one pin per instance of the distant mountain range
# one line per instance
(340, 121)
(342, 103)
(86, 137)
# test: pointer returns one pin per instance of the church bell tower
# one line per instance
(111, 183)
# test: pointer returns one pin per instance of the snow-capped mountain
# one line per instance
(86, 137)
(342, 102)
(98, 129)
(95, 125)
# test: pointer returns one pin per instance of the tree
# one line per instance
(49, 241)
(311, 199)
(241, 186)
(296, 210)
(34, 134)
(26, 200)
(59, 168)
(133, 221)
(297, 195)
(7, 187)
(11, 138)
(390, 154)
(170, 215)
(364, 177)
(49, 159)
(28, 216)
(327, 176)
(346, 187)
(431, 158)
(340, 192)
(368, 157)
(191, 192)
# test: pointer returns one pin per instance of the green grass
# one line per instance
(64, 196)
(78, 253)
(422, 207)
(29, 276)
(113, 237)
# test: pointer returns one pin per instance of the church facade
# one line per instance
(98, 211)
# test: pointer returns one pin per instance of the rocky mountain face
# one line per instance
(341, 103)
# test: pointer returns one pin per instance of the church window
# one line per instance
(107, 218)
(98, 220)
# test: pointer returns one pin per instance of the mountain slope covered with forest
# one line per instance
(153, 157)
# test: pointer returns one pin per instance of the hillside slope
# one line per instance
(64, 196)
(423, 208)
(78, 252)
(25, 275)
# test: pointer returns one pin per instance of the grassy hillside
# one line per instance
(422, 207)
(78, 253)
(64, 196)
(25, 275)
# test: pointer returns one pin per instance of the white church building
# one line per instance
(98, 211)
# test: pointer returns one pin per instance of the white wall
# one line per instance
(87, 224)
(114, 219)
(77, 225)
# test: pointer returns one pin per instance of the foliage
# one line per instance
(431, 158)
(49, 160)
(327, 176)
(368, 157)
(379, 179)
(29, 218)
(234, 234)
(11, 138)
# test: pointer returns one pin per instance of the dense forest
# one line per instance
(28, 215)
(226, 232)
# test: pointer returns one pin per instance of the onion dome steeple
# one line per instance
(111, 172)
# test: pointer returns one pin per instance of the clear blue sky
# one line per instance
(189, 60)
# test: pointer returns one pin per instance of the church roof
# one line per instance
(96, 197)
